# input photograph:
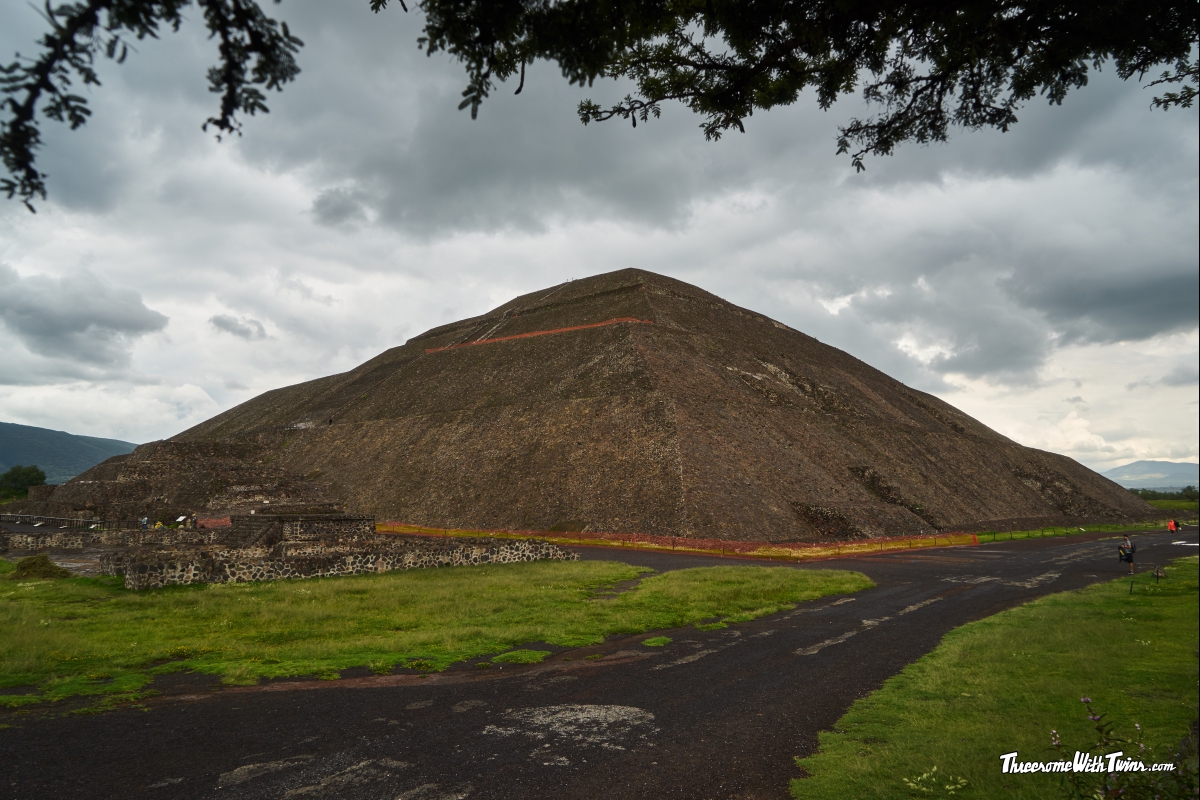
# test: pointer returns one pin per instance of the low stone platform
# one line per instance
(79, 539)
(147, 569)
(266, 547)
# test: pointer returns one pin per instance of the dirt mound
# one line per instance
(624, 402)
(38, 567)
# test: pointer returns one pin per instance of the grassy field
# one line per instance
(85, 636)
(1001, 684)
(1181, 506)
(987, 537)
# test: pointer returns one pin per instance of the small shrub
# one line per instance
(930, 784)
(38, 567)
(522, 657)
(1177, 784)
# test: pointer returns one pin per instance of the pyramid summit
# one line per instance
(626, 402)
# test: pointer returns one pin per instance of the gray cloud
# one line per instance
(374, 124)
(243, 327)
(1087, 307)
(79, 318)
(377, 121)
(340, 207)
(1182, 375)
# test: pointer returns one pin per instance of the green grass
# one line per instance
(987, 537)
(521, 657)
(1176, 505)
(87, 636)
(1001, 684)
(657, 641)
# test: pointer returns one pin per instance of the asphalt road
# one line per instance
(717, 714)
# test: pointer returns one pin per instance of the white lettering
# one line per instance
(1082, 762)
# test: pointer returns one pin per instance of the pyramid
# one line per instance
(625, 402)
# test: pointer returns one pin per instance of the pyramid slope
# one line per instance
(634, 402)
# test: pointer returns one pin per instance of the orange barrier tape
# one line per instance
(542, 333)
(642, 541)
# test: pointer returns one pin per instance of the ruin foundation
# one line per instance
(264, 547)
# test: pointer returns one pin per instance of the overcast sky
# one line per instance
(1043, 280)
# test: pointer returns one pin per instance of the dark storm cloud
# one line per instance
(79, 318)
(379, 120)
(958, 322)
(338, 207)
(243, 327)
(1088, 307)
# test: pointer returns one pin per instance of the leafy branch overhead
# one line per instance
(924, 66)
(255, 51)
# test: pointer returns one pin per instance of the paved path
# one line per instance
(716, 714)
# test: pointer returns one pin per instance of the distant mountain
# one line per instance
(60, 455)
(1155, 475)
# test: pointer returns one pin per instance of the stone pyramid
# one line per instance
(626, 402)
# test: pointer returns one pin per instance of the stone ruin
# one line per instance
(258, 547)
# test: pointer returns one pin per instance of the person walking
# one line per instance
(1172, 526)
(1125, 552)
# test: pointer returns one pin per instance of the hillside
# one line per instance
(1170, 475)
(60, 455)
(623, 402)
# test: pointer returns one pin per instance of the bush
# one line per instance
(18, 479)
(38, 567)
(1186, 493)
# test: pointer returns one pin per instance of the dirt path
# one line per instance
(717, 714)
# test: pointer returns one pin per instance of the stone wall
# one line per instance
(147, 569)
(41, 492)
(78, 539)
(346, 528)
(245, 531)
(271, 529)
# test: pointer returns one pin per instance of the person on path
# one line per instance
(1172, 526)
(1125, 552)
(145, 523)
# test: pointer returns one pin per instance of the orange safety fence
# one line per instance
(616, 321)
(685, 544)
